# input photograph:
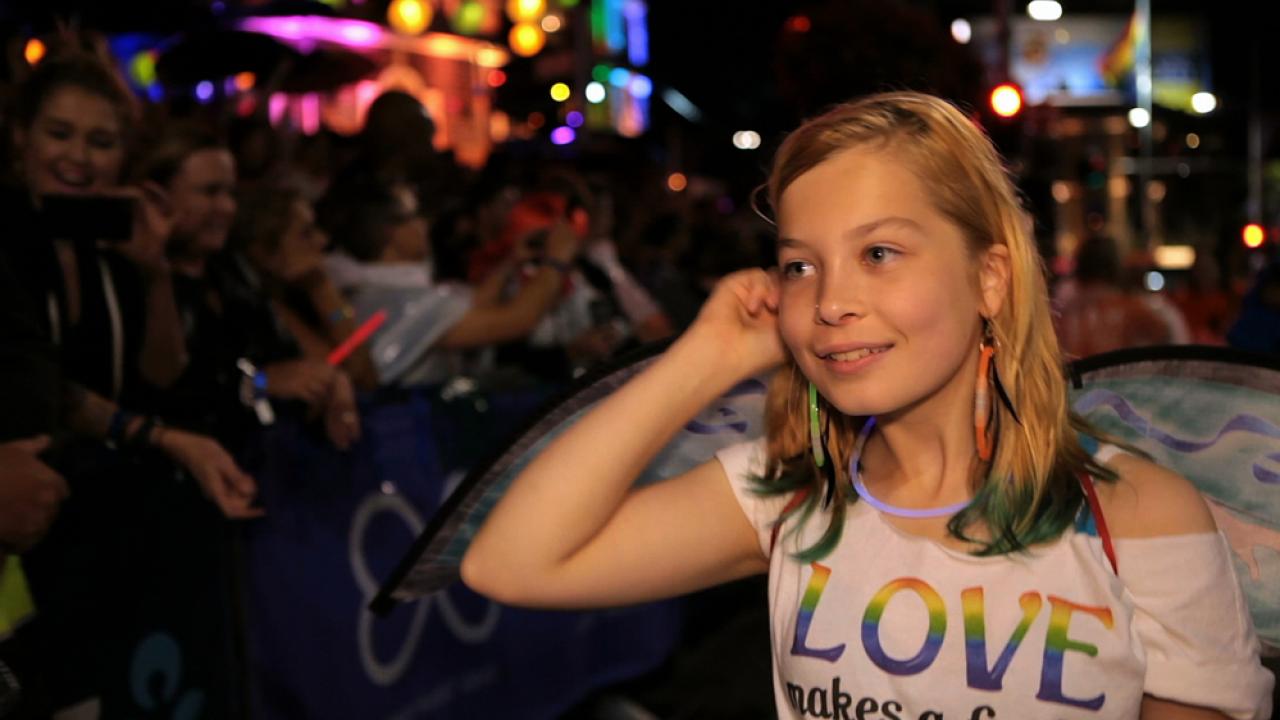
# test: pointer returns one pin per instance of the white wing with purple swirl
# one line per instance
(1212, 415)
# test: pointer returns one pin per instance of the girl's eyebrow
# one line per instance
(860, 231)
(870, 227)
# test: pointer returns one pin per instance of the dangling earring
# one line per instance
(815, 430)
(982, 413)
(818, 446)
(984, 416)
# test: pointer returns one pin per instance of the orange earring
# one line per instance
(985, 421)
(982, 410)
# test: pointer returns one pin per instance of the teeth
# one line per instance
(855, 354)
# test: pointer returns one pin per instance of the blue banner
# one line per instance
(336, 525)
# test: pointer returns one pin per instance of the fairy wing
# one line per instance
(1213, 416)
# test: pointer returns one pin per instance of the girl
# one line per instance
(941, 539)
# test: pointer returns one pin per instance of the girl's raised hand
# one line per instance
(740, 322)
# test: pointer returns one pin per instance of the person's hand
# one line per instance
(153, 219)
(594, 344)
(221, 480)
(306, 380)
(30, 493)
(563, 242)
(740, 321)
(299, 267)
(341, 417)
(604, 254)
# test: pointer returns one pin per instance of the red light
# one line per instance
(1253, 235)
(1006, 100)
(497, 78)
(799, 24)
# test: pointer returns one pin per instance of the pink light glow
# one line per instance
(308, 29)
(359, 35)
(310, 114)
(277, 106)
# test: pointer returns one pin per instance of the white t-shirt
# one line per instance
(895, 626)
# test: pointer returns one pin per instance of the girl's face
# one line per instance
(881, 299)
(75, 144)
(203, 198)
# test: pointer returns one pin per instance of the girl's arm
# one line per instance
(571, 531)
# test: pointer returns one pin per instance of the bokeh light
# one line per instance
(34, 51)
(526, 40)
(409, 16)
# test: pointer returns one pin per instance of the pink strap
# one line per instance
(1086, 482)
(792, 504)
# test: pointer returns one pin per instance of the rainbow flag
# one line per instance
(1118, 59)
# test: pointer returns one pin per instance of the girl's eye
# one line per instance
(796, 269)
(879, 254)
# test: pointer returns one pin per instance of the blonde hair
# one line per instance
(1029, 492)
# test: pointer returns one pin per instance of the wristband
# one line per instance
(120, 420)
(253, 382)
(346, 312)
(142, 438)
(253, 391)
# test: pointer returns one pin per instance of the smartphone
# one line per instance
(88, 217)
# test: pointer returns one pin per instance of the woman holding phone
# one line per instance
(104, 298)
(110, 300)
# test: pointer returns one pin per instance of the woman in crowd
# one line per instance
(88, 256)
(232, 330)
(110, 304)
(919, 442)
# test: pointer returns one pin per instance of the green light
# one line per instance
(469, 17)
(598, 21)
(143, 68)
(600, 73)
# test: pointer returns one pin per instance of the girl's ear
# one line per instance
(993, 279)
